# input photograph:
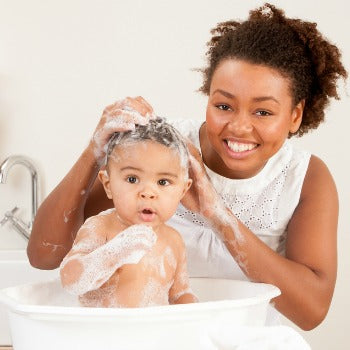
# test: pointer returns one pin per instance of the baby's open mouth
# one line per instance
(147, 211)
(147, 214)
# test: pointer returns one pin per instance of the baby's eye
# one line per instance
(132, 179)
(223, 107)
(164, 182)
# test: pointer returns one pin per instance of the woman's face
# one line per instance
(249, 115)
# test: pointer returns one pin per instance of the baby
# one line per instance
(127, 256)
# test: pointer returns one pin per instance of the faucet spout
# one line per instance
(8, 163)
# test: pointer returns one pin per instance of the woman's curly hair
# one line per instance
(293, 47)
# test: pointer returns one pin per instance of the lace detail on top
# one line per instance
(258, 213)
(264, 203)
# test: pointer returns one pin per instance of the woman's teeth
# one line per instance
(240, 147)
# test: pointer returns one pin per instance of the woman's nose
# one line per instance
(241, 123)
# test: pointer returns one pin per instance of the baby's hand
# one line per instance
(134, 243)
(120, 116)
(81, 273)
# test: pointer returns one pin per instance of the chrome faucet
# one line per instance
(19, 225)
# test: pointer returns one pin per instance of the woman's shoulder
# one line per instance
(318, 178)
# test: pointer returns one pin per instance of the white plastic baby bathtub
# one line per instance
(15, 269)
(42, 316)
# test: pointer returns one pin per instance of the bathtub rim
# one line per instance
(35, 311)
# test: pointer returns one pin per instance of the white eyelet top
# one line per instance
(264, 203)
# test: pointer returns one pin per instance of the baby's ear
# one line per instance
(187, 186)
(104, 178)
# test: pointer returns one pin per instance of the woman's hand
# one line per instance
(120, 116)
(202, 196)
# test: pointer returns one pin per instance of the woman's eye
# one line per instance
(223, 107)
(263, 113)
(132, 179)
(163, 182)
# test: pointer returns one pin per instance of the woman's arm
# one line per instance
(62, 213)
(306, 275)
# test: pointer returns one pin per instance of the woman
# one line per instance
(256, 209)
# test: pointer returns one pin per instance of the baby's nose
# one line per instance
(148, 193)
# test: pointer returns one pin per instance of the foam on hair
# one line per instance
(157, 130)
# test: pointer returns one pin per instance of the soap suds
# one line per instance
(54, 247)
(213, 203)
(169, 257)
(107, 212)
(155, 293)
(128, 247)
(66, 215)
(120, 119)
(157, 130)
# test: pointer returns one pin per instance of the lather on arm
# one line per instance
(92, 261)
(63, 212)
(306, 275)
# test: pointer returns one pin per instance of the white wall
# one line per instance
(62, 62)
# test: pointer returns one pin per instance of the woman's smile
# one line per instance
(249, 115)
(239, 150)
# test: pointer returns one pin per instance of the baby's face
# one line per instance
(145, 181)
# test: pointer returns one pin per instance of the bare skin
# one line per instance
(127, 256)
(307, 274)
(63, 212)
(158, 278)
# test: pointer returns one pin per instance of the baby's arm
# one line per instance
(91, 262)
(181, 292)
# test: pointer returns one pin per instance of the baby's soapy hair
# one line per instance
(293, 47)
(157, 130)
